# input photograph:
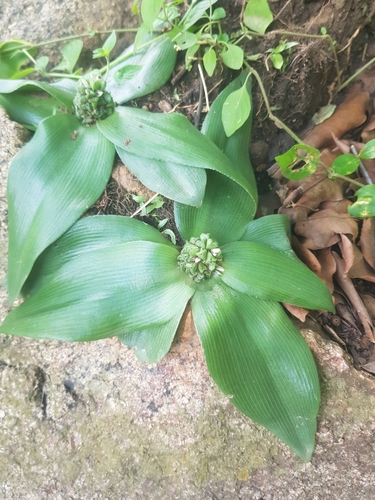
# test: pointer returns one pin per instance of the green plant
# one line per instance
(280, 54)
(111, 275)
(153, 146)
(301, 160)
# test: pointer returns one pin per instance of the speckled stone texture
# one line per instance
(89, 421)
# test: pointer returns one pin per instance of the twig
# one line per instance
(270, 114)
(343, 85)
(144, 205)
(204, 86)
(362, 168)
(200, 104)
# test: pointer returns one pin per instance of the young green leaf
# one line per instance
(41, 64)
(365, 205)
(140, 36)
(344, 165)
(277, 60)
(258, 15)
(218, 14)
(110, 43)
(185, 40)
(368, 151)
(190, 53)
(299, 161)
(233, 56)
(149, 12)
(195, 12)
(209, 61)
(70, 53)
(236, 110)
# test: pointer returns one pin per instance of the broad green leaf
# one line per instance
(169, 138)
(153, 343)
(105, 292)
(269, 274)
(236, 110)
(149, 11)
(209, 61)
(365, 204)
(157, 61)
(52, 181)
(258, 15)
(177, 182)
(12, 58)
(344, 165)
(368, 151)
(227, 208)
(195, 12)
(272, 230)
(299, 161)
(70, 53)
(260, 361)
(233, 56)
(127, 73)
(63, 91)
(28, 107)
(89, 233)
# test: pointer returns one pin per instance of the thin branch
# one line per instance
(204, 86)
(144, 205)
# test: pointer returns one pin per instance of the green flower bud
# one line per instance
(92, 102)
(201, 258)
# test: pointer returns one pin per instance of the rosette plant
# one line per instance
(66, 165)
(116, 276)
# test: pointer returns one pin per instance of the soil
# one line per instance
(309, 81)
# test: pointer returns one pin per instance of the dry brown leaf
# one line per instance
(347, 252)
(368, 133)
(306, 256)
(323, 228)
(299, 312)
(367, 241)
(348, 288)
(360, 268)
(350, 114)
(328, 266)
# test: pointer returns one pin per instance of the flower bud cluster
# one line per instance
(200, 258)
(92, 102)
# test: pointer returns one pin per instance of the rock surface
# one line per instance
(89, 421)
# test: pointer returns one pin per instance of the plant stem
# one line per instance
(204, 86)
(266, 102)
(72, 37)
(306, 35)
(343, 85)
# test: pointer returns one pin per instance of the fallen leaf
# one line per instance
(323, 228)
(367, 240)
(350, 114)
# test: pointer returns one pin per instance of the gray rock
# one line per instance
(89, 421)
